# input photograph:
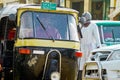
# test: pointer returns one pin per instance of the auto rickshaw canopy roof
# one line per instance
(9, 9)
(12, 9)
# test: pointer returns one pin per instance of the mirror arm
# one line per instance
(79, 31)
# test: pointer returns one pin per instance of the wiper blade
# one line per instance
(49, 35)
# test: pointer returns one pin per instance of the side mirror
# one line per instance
(12, 17)
(93, 58)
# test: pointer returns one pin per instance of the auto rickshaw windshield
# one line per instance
(48, 26)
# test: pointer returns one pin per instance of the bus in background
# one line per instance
(109, 31)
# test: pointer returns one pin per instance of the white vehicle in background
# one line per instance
(103, 64)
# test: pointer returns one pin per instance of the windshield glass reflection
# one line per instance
(111, 34)
(48, 26)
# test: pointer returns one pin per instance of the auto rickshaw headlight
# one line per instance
(55, 76)
(24, 51)
(78, 54)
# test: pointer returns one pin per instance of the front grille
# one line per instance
(92, 73)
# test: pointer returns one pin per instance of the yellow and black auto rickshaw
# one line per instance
(45, 43)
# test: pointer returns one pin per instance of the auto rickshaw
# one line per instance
(45, 44)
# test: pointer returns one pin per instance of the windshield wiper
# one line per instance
(49, 35)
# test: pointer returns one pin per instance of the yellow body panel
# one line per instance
(47, 43)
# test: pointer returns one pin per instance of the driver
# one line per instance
(49, 32)
(46, 29)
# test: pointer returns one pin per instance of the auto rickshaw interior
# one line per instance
(7, 37)
(7, 30)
